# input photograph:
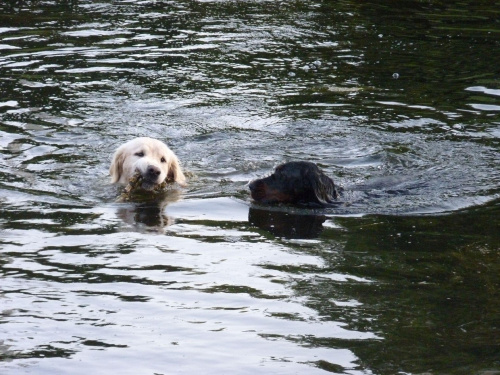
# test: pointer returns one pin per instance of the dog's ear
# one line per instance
(116, 168)
(324, 189)
(175, 171)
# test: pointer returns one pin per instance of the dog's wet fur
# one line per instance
(297, 182)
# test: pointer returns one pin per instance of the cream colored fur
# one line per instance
(140, 154)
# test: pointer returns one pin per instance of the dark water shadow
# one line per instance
(148, 213)
(287, 224)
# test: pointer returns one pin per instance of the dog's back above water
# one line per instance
(297, 182)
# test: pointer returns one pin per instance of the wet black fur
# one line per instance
(296, 182)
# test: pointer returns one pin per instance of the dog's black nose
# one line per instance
(153, 172)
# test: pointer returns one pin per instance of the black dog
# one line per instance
(295, 182)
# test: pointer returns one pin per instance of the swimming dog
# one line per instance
(297, 182)
(151, 158)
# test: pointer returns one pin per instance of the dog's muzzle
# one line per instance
(150, 177)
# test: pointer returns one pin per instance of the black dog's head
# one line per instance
(295, 182)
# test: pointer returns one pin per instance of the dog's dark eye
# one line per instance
(140, 154)
(163, 160)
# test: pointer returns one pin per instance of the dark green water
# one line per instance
(398, 101)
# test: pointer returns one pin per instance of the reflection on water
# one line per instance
(398, 104)
(145, 212)
(149, 215)
(287, 224)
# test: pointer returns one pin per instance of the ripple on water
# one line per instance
(177, 284)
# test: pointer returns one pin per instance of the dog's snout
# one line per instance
(153, 172)
(257, 189)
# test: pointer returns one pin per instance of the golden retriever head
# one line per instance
(151, 158)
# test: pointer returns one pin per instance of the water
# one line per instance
(399, 103)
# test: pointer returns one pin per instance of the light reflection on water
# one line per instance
(199, 291)
(206, 279)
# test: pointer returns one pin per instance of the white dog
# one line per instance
(151, 157)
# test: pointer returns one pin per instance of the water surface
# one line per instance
(399, 103)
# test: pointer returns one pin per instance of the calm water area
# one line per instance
(397, 101)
